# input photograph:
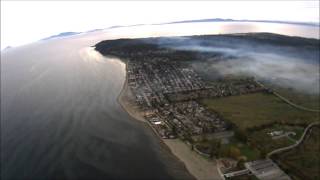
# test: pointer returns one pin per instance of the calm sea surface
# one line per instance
(59, 113)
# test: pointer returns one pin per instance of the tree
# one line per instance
(234, 152)
(240, 164)
(263, 153)
(215, 145)
(174, 130)
(204, 137)
(241, 135)
(224, 151)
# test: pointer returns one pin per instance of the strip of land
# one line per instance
(126, 100)
(196, 165)
(199, 167)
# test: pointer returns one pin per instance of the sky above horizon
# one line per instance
(28, 21)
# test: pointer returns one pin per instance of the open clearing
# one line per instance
(303, 162)
(257, 109)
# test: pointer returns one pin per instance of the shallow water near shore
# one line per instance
(60, 118)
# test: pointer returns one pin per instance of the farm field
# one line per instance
(254, 110)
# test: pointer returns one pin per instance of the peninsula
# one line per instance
(165, 88)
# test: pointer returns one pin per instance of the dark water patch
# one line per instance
(60, 118)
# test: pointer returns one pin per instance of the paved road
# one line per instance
(297, 143)
(224, 134)
(288, 101)
(295, 105)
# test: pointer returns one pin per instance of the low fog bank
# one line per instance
(278, 70)
(289, 62)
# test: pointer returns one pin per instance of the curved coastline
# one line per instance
(124, 101)
(199, 167)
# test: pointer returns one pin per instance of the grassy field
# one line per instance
(307, 100)
(303, 162)
(256, 109)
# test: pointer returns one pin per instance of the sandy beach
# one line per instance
(199, 167)
(126, 100)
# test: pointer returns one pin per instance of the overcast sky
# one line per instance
(27, 21)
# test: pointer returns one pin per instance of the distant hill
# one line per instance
(6, 48)
(63, 34)
(94, 30)
(219, 39)
(220, 20)
(292, 46)
(243, 20)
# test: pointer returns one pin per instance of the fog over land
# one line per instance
(288, 64)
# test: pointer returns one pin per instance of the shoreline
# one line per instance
(197, 166)
(124, 99)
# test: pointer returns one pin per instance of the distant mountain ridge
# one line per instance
(63, 34)
(187, 21)
(66, 34)
(243, 20)
(219, 20)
